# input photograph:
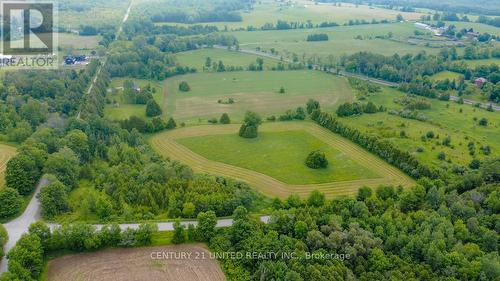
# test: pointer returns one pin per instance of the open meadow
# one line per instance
(138, 264)
(273, 163)
(257, 91)
(445, 118)
(343, 40)
(197, 59)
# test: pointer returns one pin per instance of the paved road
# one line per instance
(17, 227)
(354, 75)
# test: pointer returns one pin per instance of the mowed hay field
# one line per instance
(6, 152)
(256, 91)
(197, 58)
(377, 173)
(137, 264)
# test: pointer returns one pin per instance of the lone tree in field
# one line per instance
(282, 90)
(184, 87)
(224, 119)
(316, 160)
(312, 105)
(250, 125)
(153, 109)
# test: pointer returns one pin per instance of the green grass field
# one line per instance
(119, 110)
(474, 63)
(341, 40)
(280, 155)
(444, 119)
(277, 157)
(446, 75)
(269, 11)
(257, 91)
(78, 42)
(197, 58)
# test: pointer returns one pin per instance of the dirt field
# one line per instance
(151, 264)
(166, 144)
(6, 152)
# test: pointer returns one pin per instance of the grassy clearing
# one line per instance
(341, 40)
(117, 109)
(474, 63)
(257, 91)
(460, 122)
(167, 144)
(6, 152)
(280, 155)
(446, 75)
(196, 59)
(78, 42)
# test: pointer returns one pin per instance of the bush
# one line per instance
(184, 87)
(53, 199)
(250, 125)
(483, 122)
(10, 202)
(224, 119)
(171, 124)
(316, 160)
(3, 239)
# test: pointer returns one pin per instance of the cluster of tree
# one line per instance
(363, 88)
(286, 25)
(432, 231)
(355, 108)
(211, 16)
(153, 125)
(147, 27)
(298, 114)
(404, 160)
(26, 259)
(250, 126)
(412, 102)
(317, 37)
(29, 99)
(494, 21)
(184, 87)
(409, 114)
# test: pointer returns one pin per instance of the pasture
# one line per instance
(474, 63)
(6, 152)
(137, 264)
(117, 109)
(76, 42)
(197, 58)
(342, 40)
(458, 121)
(273, 163)
(256, 91)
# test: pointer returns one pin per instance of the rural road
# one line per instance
(19, 226)
(350, 74)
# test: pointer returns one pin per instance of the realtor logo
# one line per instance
(27, 28)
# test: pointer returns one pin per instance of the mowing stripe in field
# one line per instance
(166, 144)
(6, 152)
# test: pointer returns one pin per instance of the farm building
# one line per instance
(480, 81)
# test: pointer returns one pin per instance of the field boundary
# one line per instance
(165, 143)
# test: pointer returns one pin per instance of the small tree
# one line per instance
(171, 124)
(206, 225)
(10, 202)
(179, 233)
(483, 122)
(312, 105)
(250, 125)
(153, 109)
(184, 87)
(224, 119)
(282, 90)
(316, 160)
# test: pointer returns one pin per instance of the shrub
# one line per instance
(316, 160)
(170, 124)
(250, 125)
(153, 109)
(184, 87)
(3, 239)
(213, 120)
(483, 122)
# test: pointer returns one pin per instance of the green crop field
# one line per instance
(117, 109)
(274, 162)
(342, 40)
(196, 59)
(446, 75)
(257, 91)
(460, 122)
(6, 152)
